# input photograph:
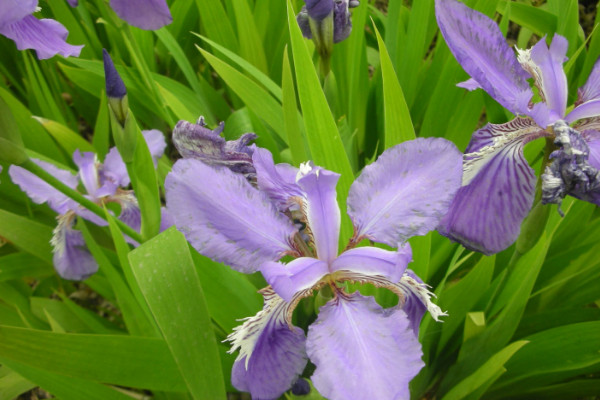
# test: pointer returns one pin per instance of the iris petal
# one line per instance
(145, 14)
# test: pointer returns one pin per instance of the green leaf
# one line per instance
(21, 265)
(215, 22)
(101, 139)
(167, 277)
(398, 124)
(250, 42)
(12, 384)
(291, 121)
(65, 137)
(30, 236)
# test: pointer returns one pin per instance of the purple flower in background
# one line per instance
(498, 183)
(361, 350)
(103, 183)
(45, 36)
(145, 14)
(319, 10)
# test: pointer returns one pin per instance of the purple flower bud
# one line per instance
(319, 9)
(115, 88)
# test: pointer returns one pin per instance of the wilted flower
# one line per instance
(103, 183)
(45, 36)
(145, 14)
(498, 183)
(361, 350)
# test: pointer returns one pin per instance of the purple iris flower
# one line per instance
(361, 351)
(145, 14)
(45, 36)
(103, 183)
(498, 183)
(318, 10)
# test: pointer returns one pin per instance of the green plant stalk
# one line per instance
(78, 197)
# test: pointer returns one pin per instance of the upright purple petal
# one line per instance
(545, 65)
(156, 143)
(362, 351)
(41, 192)
(12, 11)
(374, 261)
(145, 14)
(224, 217)
(296, 276)
(45, 36)
(479, 47)
(498, 188)
(72, 260)
(321, 209)
(88, 171)
(113, 168)
(319, 9)
(272, 353)
(591, 89)
(406, 191)
(277, 181)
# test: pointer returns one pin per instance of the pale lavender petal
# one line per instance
(72, 260)
(88, 171)
(272, 352)
(166, 221)
(549, 75)
(321, 209)
(15, 10)
(406, 191)
(45, 36)
(591, 89)
(41, 192)
(113, 168)
(130, 212)
(588, 109)
(277, 181)
(592, 138)
(224, 217)
(469, 84)
(156, 143)
(498, 188)
(296, 276)
(362, 351)
(480, 48)
(375, 261)
(145, 14)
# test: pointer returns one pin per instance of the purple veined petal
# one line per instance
(224, 217)
(546, 67)
(480, 48)
(469, 84)
(592, 138)
(88, 171)
(72, 260)
(12, 11)
(272, 352)
(321, 209)
(591, 89)
(296, 276)
(145, 14)
(406, 191)
(319, 9)
(375, 348)
(277, 181)
(45, 36)
(41, 192)
(156, 143)
(589, 109)
(375, 261)
(498, 188)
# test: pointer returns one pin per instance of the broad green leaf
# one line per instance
(215, 22)
(65, 137)
(12, 384)
(28, 235)
(44, 308)
(21, 265)
(538, 20)
(167, 277)
(250, 43)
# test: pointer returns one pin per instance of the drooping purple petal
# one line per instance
(406, 191)
(72, 260)
(224, 217)
(480, 48)
(198, 142)
(321, 209)
(591, 89)
(589, 109)
(417, 300)
(498, 188)
(41, 192)
(296, 276)
(45, 36)
(145, 14)
(277, 181)
(12, 11)
(130, 212)
(319, 9)
(469, 84)
(545, 65)
(272, 352)
(375, 261)
(362, 351)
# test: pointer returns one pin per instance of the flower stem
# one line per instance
(78, 197)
